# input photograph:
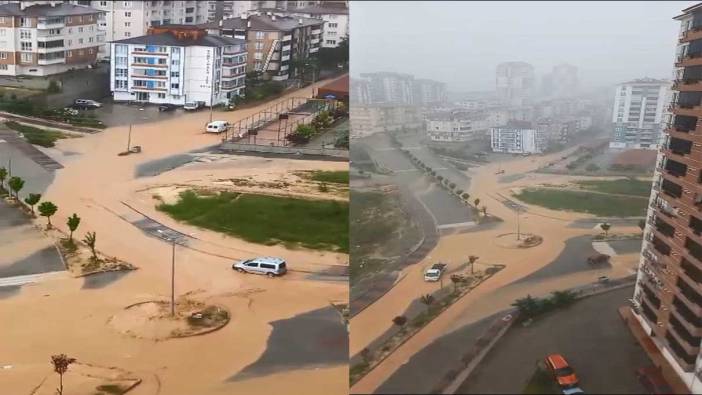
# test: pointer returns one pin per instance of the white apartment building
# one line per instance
(45, 38)
(457, 126)
(517, 140)
(176, 65)
(639, 112)
(515, 83)
(336, 22)
(368, 120)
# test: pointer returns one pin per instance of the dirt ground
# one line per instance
(59, 316)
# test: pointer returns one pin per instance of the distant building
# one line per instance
(274, 42)
(367, 120)
(429, 92)
(515, 83)
(399, 89)
(638, 113)
(562, 81)
(178, 64)
(336, 22)
(517, 139)
(458, 126)
(45, 38)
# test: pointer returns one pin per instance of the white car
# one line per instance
(191, 106)
(217, 127)
(86, 103)
(434, 272)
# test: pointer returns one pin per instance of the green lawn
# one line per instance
(333, 177)
(42, 137)
(623, 186)
(316, 224)
(585, 202)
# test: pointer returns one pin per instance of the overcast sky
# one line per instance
(461, 43)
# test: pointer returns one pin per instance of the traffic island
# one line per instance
(524, 240)
(154, 320)
(407, 327)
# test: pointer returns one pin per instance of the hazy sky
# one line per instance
(461, 43)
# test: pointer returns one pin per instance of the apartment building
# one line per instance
(389, 88)
(638, 113)
(517, 138)
(45, 38)
(336, 21)
(275, 42)
(562, 81)
(367, 120)
(458, 126)
(668, 294)
(515, 83)
(178, 64)
(429, 92)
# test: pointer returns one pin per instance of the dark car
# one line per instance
(652, 379)
(166, 107)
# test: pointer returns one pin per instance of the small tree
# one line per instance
(471, 260)
(528, 307)
(459, 192)
(47, 209)
(642, 224)
(427, 300)
(562, 298)
(400, 320)
(605, 227)
(484, 210)
(16, 184)
(3, 176)
(73, 222)
(465, 196)
(90, 239)
(32, 199)
(456, 279)
(440, 178)
(61, 363)
(365, 354)
(452, 186)
(477, 202)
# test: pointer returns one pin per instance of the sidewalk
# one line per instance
(675, 382)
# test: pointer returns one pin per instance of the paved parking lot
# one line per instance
(590, 334)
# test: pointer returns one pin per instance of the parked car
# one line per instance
(166, 107)
(217, 127)
(652, 379)
(269, 266)
(192, 105)
(598, 259)
(562, 371)
(573, 391)
(86, 103)
(434, 272)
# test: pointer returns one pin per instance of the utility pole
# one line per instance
(173, 277)
(518, 209)
(129, 137)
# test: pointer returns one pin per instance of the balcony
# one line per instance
(688, 85)
(314, 49)
(692, 34)
(286, 48)
(149, 65)
(664, 227)
(679, 146)
(675, 168)
(671, 189)
(45, 62)
(314, 41)
(147, 53)
(316, 31)
(684, 124)
(693, 59)
(157, 77)
(50, 24)
(649, 314)
(660, 246)
(284, 58)
(686, 314)
(287, 37)
(686, 361)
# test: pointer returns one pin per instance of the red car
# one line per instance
(564, 374)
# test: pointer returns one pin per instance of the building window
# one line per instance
(80, 29)
(260, 35)
(127, 24)
(161, 95)
(3, 55)
(175, 62)
(259, 45)
(333, 24)
(127, 34)
(258, 56)
(121, 73)
(90, 51)
(127, 3)
(81, 52)
(331, 42)
(80, 41)
(103, 4)
(26, 22)
(90, 39)
(69, 54)
(175, 74)
(26, 57)
(2, 20)
(128, 14)
(120, 84)
(3, 67)
(25, 34)
(175, 86)
(26, 45)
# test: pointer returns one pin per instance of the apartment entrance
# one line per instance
(142, 96)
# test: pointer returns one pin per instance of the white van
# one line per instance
(217, 127)
(269, 266)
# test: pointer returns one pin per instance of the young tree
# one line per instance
(459, 192)
(465, 196)
(90, 239)
(484, 210)
(477, 202)
(3, 175)
(73, 222)
(47, 209)
(605, 227)
(366, 354)
(400, 320)
(471, 260)
(527, 307)
(16, 184)
(61, 363)
(427, 300)
(456, 279)
(452, 186)
(562, 298)
(32, 199)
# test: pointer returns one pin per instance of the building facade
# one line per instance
(45, 38)
(176, 65)
(562, 81)
(515, 83)
(513, 139)
(668, 294)
(336, 22)
(368, 120)
(458, 126)
(275, 42)
(638, 113)
(387, 88)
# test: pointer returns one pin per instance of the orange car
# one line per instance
(564, 374)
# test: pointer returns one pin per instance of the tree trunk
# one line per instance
(60, 391)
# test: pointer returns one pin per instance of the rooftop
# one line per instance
(46, 10)
(315, 10)
(264, 23)
(646, 80)
(689, 10)
(168, 39)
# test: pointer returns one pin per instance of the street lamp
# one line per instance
(172, 240)
(518, 210)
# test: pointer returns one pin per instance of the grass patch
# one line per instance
(541, 383)
(42, 137)
(111, 389)
(316, 224)
(622, 186)
(585, 202)
(333, 177)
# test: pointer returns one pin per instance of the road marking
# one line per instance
(385, 149)
(456, 225)
(29, 278)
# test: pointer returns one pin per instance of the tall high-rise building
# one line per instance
(562, 81)
(638, 113)
(668, 293)
(515, 83)
(398, 89)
